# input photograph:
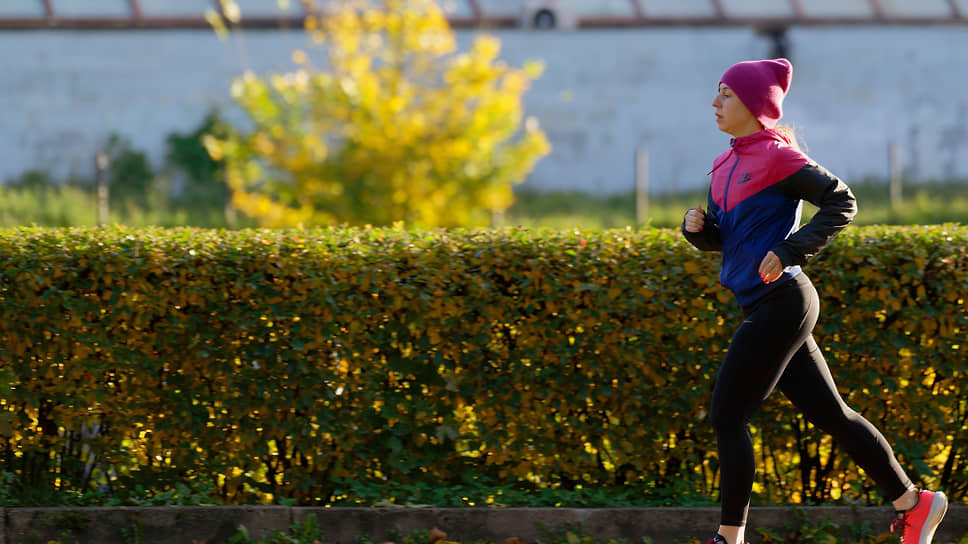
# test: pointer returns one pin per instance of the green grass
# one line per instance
(922, 204)
(73, 205)
(70, 205)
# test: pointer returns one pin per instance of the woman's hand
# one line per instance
(771, 268)
(695, 219)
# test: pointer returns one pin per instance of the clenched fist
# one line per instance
(771, 268)
(695, 219)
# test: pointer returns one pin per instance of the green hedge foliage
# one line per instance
(275, 364)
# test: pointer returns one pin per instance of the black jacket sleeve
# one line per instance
(837, 207)
(708, 239)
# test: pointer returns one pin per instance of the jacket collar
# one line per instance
(737, 144)
(763, 135)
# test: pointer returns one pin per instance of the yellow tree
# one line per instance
(393, 124)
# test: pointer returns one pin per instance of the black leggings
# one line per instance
(774, 347)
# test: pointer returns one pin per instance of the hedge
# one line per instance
(276, 364)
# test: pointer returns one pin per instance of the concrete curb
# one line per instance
(663, 525)
(147, 525)
(216, 524)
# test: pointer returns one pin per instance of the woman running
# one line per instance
(752, 217)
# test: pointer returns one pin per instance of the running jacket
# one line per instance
(754, 204)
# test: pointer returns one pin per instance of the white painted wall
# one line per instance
(604, 92)
(855, 90)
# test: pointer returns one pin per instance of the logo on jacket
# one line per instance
(746, 177)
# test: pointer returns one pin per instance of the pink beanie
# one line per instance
(761, 85)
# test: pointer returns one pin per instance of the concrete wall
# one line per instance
(217, 524)
(604, 93)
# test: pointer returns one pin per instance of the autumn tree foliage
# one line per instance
(383, 121)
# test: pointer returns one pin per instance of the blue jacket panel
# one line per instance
(749, 231)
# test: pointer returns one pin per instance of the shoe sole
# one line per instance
(939, 506)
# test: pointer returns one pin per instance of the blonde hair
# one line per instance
(791, 134)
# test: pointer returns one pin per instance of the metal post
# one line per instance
(101, 163)
(497, 218)
(894, 163)
(641, 185)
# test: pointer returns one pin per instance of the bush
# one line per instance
(274, 365)
(386, 122)
(188, 189)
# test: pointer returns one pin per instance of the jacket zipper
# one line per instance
(729, 180)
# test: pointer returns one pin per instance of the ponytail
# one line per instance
(791, 134)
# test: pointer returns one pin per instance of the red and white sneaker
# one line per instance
(917, 525)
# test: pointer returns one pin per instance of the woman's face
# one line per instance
(732, 117)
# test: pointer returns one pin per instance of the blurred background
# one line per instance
(107, 102)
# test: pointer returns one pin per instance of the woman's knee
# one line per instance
(839, 423)
(726, 417)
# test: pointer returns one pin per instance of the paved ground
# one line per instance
(216, 524)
